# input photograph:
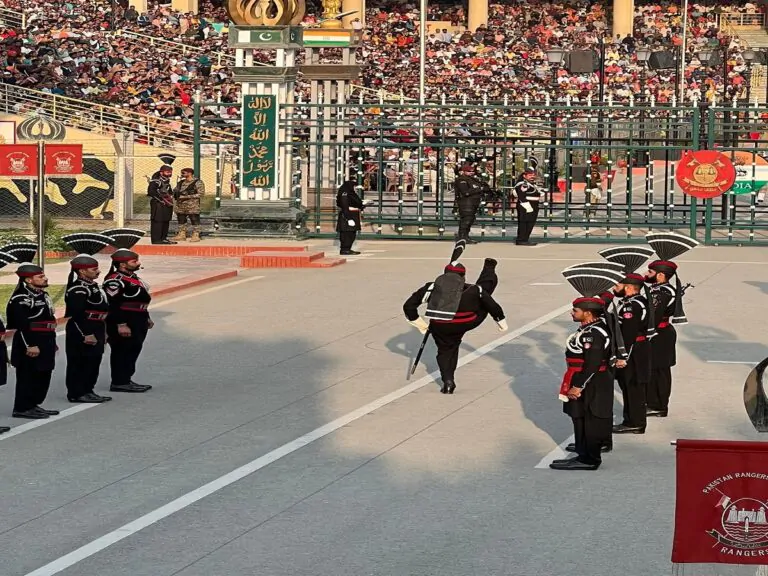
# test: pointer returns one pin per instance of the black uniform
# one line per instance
(469, 195)
(128, 299)
(30, 312)
(663, 355)
(475, 305)
(87, 308)
(633, 379)
(161, 207)
(526, 193)
(3, 365)
(350, 205)
(586, 354)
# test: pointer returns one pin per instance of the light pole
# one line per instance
(643, 55)
(683, 50)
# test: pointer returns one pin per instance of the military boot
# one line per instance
(181, 235)
(195, 236)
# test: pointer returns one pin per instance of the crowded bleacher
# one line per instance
(83, 50)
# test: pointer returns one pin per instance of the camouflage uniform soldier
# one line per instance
(188, 192)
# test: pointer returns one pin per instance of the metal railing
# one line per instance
(13, 18)
(743, 20)
(221, 58)
(108, 120)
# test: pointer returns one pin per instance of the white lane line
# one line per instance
(16, 430)
(558, 242)
(731, 362)
(198, 494)
(546, 284)
(558, 453)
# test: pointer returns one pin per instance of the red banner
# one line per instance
(721, 514)
(18, 160)
(63, 159)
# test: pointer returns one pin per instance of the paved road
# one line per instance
(266, 378)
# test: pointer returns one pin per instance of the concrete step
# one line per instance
(307, 259)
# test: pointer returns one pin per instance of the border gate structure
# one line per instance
(632, 150)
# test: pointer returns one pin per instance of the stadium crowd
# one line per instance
(78, 49)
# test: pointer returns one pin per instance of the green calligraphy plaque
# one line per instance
(259, 154)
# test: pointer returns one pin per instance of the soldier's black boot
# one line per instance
(444, 387)
(130, 387)
(450, 386)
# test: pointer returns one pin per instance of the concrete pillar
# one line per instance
(478, 14)
(623, 17)
(185, 6)
(348, 5)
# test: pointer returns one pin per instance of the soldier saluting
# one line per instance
(86, 308)
(30, 312)
(128, 319)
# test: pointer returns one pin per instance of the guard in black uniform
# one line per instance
(348, 224)
(587, 386)
(528, 197)
(469, 194)
(3, 365)
(633, 374)
(30, 312)
(667, 304)
(86, 308)
(476, 303)
(161, 205)
(128, 319)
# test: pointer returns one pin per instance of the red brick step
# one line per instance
(307, 259)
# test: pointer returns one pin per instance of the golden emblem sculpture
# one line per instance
(266, 12)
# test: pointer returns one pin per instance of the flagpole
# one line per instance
(422, 66)
(683, 51)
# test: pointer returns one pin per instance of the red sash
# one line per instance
(575, 365)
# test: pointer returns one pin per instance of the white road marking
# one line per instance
(731, 362)
(553, 242)
(546, 284)
(16, 430)
(558, 453)
(103, 542)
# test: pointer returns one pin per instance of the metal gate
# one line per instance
(405, 158)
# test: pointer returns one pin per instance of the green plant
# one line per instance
(52, 233)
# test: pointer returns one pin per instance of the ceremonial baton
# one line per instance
(418, 354)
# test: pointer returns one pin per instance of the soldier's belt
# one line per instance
(134, 307)
(97, 316)
(42, 326)
(664, 323)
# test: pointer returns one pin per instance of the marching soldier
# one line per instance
(633, 374)
(30, 312)
(469, 192)
(128, 319)
(587, 386)
(474, 302)
(86, 308)
(528, 197)
(667, 304)
(3, 365)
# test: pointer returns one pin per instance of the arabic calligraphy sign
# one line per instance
(259, 152)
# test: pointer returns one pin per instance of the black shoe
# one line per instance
(89, 398)
(490, 263)
(444, 387)
(166, 241)
(144, 386)
(30, 414)
(560, 460)
(127, 388)
(656, 413)
(103, 398)
(470, 241)
(624, 429)
(603, 448)
(526, 243)
(450, 386)
(4, 429)
(349, 253)
(49, 412)
(573, 464)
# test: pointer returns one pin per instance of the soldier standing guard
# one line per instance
(188, 193)
(161, 205)
(587, 386)
(469, 191)
(528, 197)
(128, 319)
(86, 308)
(30, 312)
(350, 206)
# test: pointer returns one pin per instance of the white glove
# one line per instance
(502, 324)
(527, 207)
(351, 222)
(368, 202)
(419, 323)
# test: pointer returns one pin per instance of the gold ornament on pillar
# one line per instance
(331, 14)
(266, 12)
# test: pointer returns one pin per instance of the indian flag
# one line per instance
(331, 38)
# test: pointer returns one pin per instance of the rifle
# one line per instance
(684, 288)
(418, 355)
